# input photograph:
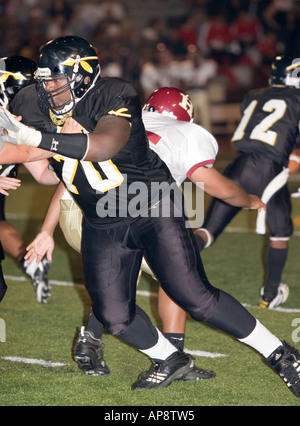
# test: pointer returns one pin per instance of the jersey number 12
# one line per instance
(261, 132)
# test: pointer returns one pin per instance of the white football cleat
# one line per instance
(282, 295)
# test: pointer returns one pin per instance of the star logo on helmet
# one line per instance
(70, 62)
(16, 75)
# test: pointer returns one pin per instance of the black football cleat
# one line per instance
(197, 374)
(89, 355)
(165, 372)
(286, 362)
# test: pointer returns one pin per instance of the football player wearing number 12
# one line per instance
(266, 136)
(113, 246)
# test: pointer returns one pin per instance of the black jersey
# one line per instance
(9, 170)
(270, 123)
(112, 191)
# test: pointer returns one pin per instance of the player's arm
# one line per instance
(219, 186)
(43, 244)
(108, 138)
(41, 172)
(14, 154)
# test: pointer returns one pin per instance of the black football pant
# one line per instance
(112, 259)
(3, 286)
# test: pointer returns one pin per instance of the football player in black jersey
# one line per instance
(266, 136)
(190, 152)
(111, 171)
(17, 72)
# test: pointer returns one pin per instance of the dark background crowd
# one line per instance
(227, 45)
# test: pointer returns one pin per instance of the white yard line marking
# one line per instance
(33, 361)
(205, 354)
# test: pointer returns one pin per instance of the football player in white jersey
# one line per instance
(17, 72)
(189, 152)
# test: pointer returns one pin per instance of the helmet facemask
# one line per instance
(285, 72)
(293, 74)
(49, 97)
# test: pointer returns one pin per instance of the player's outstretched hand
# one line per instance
(41, 245)
(7, 183)
(256, 203)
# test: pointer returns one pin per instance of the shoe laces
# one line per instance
(155, 374)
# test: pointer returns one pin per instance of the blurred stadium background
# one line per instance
(214, 49)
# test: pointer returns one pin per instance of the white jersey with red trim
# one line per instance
(183, 146)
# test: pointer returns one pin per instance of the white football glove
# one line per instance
(18, 133)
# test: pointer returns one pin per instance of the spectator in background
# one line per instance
(153, 32)
(175, 43)
(220, 41)
(279, 17)
(266, 47)
(114, 10)
(196, 72)
(246, 31)
(160, 72)
(188, 31)
(60, 13)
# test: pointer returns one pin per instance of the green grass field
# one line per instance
(47, 332)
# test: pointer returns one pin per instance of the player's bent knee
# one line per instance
(209, 301)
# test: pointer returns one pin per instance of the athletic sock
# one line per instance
(94, 326)
(161, 350)
(177, 339)
(276, 260)
(262, 340)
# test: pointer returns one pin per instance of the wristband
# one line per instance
(68, 145)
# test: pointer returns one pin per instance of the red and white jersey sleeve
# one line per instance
(183, 146)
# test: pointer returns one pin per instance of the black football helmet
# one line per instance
(285, 71)
(15, 72)
(72, 58)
